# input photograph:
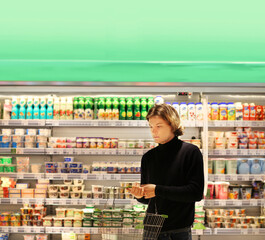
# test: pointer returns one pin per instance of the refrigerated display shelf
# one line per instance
(238, 231)
(67, 201)
(70, 176)
(22, 229)
(236, 152)
(234, 203)
(73, 151)
(86, 123)
(236, 177)
(85, 176)
(236, 124)
(21, 200)
(108, 202)
(24, 175)
(96, 230)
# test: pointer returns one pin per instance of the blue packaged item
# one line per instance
(75, 165)
(63, 170)
(263, 166)
(69, 159)
(1, 138)
(255, 166)
(5, 145)
(51, 165)
(85, 171)
(243, 166)
(51, 170)
(76, 170)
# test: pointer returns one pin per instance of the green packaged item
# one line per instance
(127, 225)
(97, 223)
(115, 223)
(10, 168)
(6, 160)
(87, 223)
(106, 214)
(2, 168)
(128, 220)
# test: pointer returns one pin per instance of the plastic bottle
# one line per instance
(96, 108)
(137, 112)
(89, 113)
(183, 109)
(143, 108)
(69, 109)
(22, 109)
(199, 111)
(252, 112)
(215, 111)
(62, 111)
(50, 108)
(150, 103)
(101, 108)
(159, 100)
(14, 113)
(129, 105)
(7, 109)
(36, 111)
(191, 111)
(243, 167)
(209, 111)
(115, 110)
(56, 109)
(43, 109)
(75, 108)
(122, 108)
(223, 111)
(176, 106)
(239, 111)
(29, 113)
(245, 112)
(108, 111)
(231, 111)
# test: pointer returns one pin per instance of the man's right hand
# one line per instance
(136, 190)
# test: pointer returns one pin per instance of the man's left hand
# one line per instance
(149, 190)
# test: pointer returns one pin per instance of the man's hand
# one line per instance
(149, 190)
(136, 190)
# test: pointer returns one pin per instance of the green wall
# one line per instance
(41, 40)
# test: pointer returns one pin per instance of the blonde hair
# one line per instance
(169, 114)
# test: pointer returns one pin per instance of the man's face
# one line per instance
(161, 131)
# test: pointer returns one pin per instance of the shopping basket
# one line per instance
(148, 229)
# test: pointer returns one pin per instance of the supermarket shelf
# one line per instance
(236, 177)
(91, 230)
(22, 229)
(237, 152)
(22, 123)
(21, 200)
(85, 176)
(238, 231)
(24, 175)
(73, 151)
(236, 124)
(58, 201)
(234, 203)
(207, 231)
(87, 123)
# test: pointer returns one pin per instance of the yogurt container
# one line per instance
(246, 191)
(231, 166)
(233, 192)
(215, 111)
(219, 165)
(183, 109)
(191, 111)
(221, 190)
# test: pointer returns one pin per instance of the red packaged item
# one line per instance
(263, 112)
(252, 112)
(259, 113)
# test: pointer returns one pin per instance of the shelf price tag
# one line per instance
(199, 232)
(252, 152)
(233, 177)
(222, 203)
(244, 231)
(107, 177)
(253, 202)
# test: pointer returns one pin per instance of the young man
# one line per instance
(172, 175)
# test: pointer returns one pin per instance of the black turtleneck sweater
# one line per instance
(176, 168)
